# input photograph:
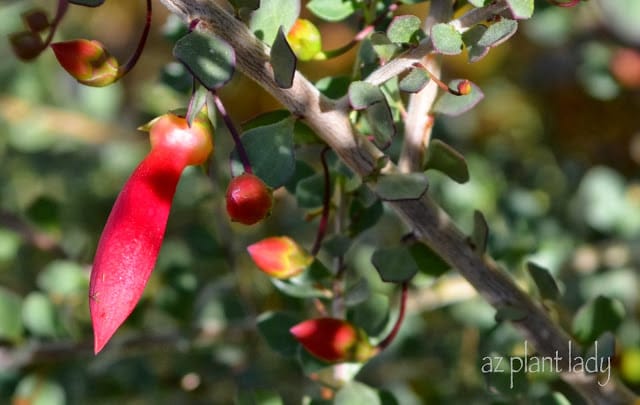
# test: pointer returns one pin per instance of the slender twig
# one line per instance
(131, 63)
(326, 203)
(242, 152)
(396, 326)
(61, 10)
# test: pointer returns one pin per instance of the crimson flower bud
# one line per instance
(280, 257)
(333, 340)
(305, 39)
(464, 87)
(132, 237)
(87, 61)
(249, 200)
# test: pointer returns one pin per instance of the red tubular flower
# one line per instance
(87, 61)
(333, 340)
(249, 200)
(132, 237)
(280, 257)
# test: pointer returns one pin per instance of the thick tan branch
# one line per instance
(430, 223)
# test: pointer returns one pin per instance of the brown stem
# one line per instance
(242, 152)
(396, 327)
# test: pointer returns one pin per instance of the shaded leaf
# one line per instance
(447, 160)
(334, 87)
(309, 191)
(283, 61)
(363, 95)
(271, 15)
(385, 49)
(357, 292)
(196, 103)
(471, 38)
(87, 3)
(498, 32)
(446, 39)
(381, 122)
(363, 217)
(414, 81)
(209, 58)
(544, 281)
(337, 245)
(274, 328)
(480, 234)
(452, 105)
(510, 313)
(405, 29)
(428, 261)
(395, 264)
(293, 289)
(602, 314)
(270, 151)
(332, 10)
(372, 314)
(302, 171)
(396, 186)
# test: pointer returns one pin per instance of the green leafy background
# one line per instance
(553, 154)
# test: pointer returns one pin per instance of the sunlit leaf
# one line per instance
(446, 39)
(271, 15)
(521, 9)
(405, 29)
(209, 58)
(332, 10)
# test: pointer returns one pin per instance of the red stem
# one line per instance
(126, 68)
(570, 3)
(396, 327)
(242, 152)
(63, 5)
(326, 202)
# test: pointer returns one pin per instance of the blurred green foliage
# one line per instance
(552, 152)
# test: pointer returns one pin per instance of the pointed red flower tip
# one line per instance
(132, 237)
(333, 340)
(464, 87)
(305, 39)
(280, 257)
(249, 200)
(26, 45)
(87, 61)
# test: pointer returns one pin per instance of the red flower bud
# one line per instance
(280, 257)
(249, 200)
(333, 340)
(305, 39)
(464, 87)
(131, 239)
(87, 61)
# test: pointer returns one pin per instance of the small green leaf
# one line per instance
(332, 10)
(428, 261)
(334, 87)
(510, 313)
(197, 102)
(405, 29)
(289, 287)
(337, 245)
(480, 234)
(271, 153)
(63, 279)
(87, 3)
(396, 186)
(283, 61)
(446, 39)
(274, 328)
(414, 81)
(363, 217)
(357, 292)
(498, 32)
(210, 59)
(385, 49)
(363, 95)
(447, 160)
(521, 9)
(36, 390)
(395, 264)
(309, 191)
(381, 122)
(10, 319)
(597, 316)
(271, 15)
(471, 39)
(302, 171)
(544, 281)
(452, 105)
(39, 315)
(356, 393)
(372, 314)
